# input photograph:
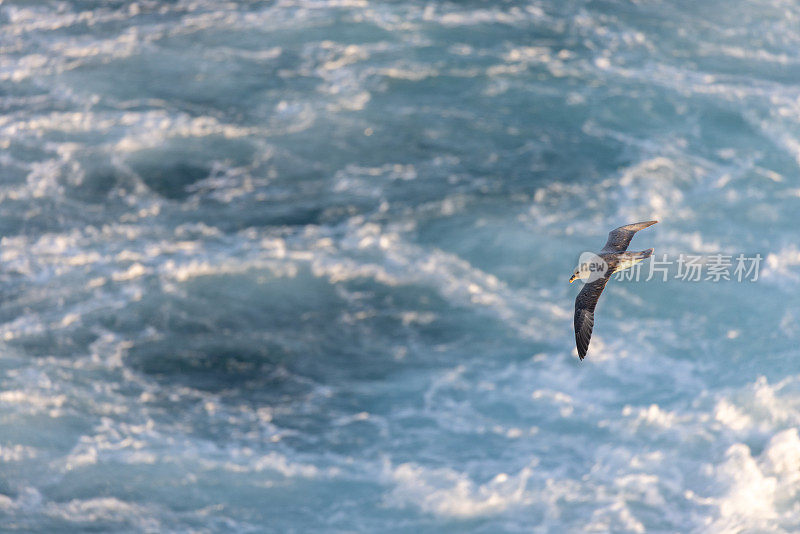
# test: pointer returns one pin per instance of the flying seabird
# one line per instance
(598, 268)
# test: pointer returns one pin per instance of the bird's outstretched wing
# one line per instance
(619, 239)
(584, 313)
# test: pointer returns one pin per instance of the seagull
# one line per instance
(596, 270)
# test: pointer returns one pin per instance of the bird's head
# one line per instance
(590, 268)
(579, 274)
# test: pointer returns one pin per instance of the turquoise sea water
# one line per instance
(301, 266)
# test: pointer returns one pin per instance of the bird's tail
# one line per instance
(629, 259)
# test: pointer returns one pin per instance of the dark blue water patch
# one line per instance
(277, 212)
(315, 29)
(643, 111)
(24, 151)
(226, 332)
(46, 431)
(97, 180)
(12, 173)
(232, 87)
(48, 214)
(517, 138)
(222, 332)
(211, 364)
(726, 127)
(487, 33)
(170, 170)
(171, 180)
(59, 343)
(331, 145)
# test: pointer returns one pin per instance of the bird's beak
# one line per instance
(571, 278)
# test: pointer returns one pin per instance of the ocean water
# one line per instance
(301, 266)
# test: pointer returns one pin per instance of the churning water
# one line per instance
(301, 266)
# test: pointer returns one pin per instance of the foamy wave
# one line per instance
(447, 492)
(759, 492)
(782, 265)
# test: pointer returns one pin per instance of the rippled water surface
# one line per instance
(301, 266)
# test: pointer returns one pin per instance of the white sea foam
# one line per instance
(759, 492)
(449, 493)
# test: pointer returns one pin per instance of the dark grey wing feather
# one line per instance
(584, 313)
(620, 238)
